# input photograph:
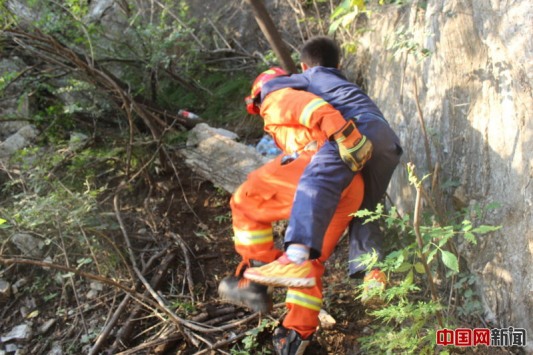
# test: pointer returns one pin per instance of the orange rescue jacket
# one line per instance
(296, 118)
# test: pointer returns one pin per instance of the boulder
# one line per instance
(215, 155)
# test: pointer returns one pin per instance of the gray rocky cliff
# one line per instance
(474, 92)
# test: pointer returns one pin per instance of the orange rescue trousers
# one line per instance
(267, 196)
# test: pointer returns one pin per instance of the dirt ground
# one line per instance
(214, 257)
(199, 212)
(179, 227)
(201, 216)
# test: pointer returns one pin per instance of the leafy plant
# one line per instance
(428, 252)
(152, 53)
(55, 195)
(345, 14)
(402, 41)
(184, 307)
(250, 344)
(6, 78)
(471, 304)
(223, 218)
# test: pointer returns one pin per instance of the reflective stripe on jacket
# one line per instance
(295, 118)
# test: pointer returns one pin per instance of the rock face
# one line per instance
(475, 97)
(17, 141)
(15, 130)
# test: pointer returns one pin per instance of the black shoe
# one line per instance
(288, 342)
(243, 292)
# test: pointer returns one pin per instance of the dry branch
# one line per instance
(267, 26)
(119, 311)
(124, 334)
(151, 344)
(188, 268)
(50, 50)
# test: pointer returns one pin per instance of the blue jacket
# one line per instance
(332, 86)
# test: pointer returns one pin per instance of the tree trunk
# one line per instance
(214, 154)
(272, 35)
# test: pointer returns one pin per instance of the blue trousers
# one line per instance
(325, 178)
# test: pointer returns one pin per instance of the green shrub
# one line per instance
(425, 259)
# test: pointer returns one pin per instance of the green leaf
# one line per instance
(467, 226)
(395, 259)
(470, 237)
(334, 26)
(450, 260)
(341, 9)
(484, 229)
(410, 278)
(360, 4)
(492, 206)
(348, 18)
(405, 266)
(363, 213)
(50, 296)
(367, 216)
(350, 47)
(445, 234)
(431, 254)
(83, 261)
(419, 267)
(345, 14)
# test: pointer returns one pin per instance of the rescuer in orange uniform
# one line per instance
(321, 75)
(301, 123)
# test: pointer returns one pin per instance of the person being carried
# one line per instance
(301, 124)
(320, 62)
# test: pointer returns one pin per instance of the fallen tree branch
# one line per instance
(109, 326)
(214, 313)
(221, 343)
(188, 268)
(155, 295)
(50, 50)
(150, 344)
(158, 300)
(120, 309)
(124, 333)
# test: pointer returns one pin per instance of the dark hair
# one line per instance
(322, 51)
